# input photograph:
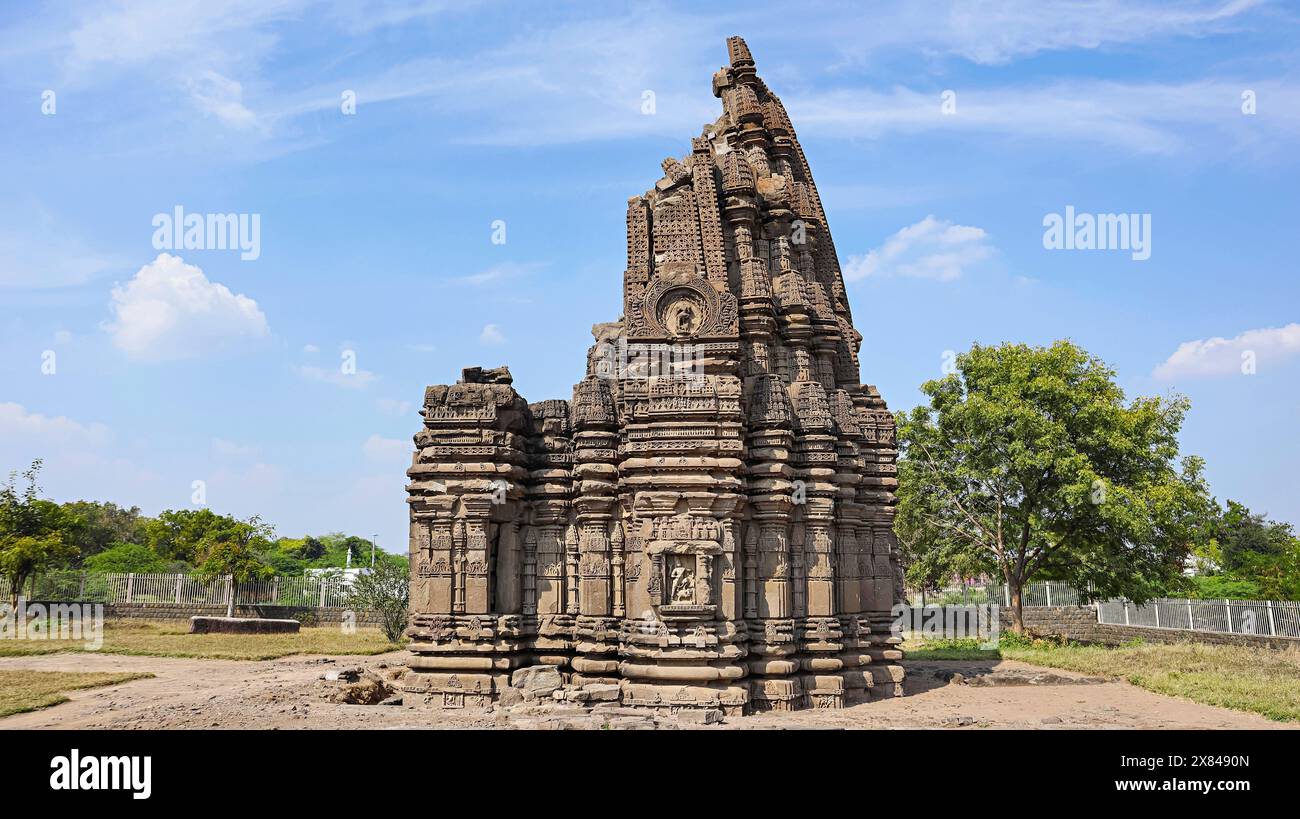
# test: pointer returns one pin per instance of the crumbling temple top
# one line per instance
(708, 523)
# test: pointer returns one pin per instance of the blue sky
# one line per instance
(376, 228)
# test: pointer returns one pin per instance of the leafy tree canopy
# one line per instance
(126, 558)
(33, 532)
(1030, 462)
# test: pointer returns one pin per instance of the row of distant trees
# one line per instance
(38, 535)
(1029, 463)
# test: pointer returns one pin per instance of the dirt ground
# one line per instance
(285, 694)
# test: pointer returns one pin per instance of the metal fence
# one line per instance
(324, 591)
(1270, 618)
(1049, 593)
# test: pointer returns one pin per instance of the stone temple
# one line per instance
(709, 522)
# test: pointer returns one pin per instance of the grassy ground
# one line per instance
(1264, 681)
(172, 639)
(28, 690)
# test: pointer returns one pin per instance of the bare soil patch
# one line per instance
(286, 693)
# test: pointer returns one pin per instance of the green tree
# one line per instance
(126, 558)
(235, 548)
(180, 534)
(33, 532)
(1247, 556)
(1219, 586)
(1029, 461)
(103, 526)
(386, 590)
(1246, 539)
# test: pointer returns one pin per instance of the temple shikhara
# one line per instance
(708, 523)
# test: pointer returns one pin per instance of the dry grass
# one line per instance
(1260, 680)
(28, 690)
(172, 639)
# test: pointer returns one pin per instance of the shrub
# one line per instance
(385, 590)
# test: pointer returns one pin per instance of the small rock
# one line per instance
(540, 679)
(343, 675)
(632, 724)
(510, 697)
(1051, 720)
(700, 716)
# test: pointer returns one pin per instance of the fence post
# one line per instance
(1191, 621)
(1126, 612)
(1049, 593)
(275, 590)
(130, 585)
(1272, 628)
(179, 578)
(230, 590)
(322, 579)
(1227, 606)
(1156, 605)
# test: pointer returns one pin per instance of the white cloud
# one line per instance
(491, 335)
(29, 264)
(379, 448)
(170, 310)
(223, 98)
(499, 272)
(929, 249)
(1226, 356)
(1146, 117)
(143, 31)
(355, 381)
(310, 348)
(19, 425)
(223, 448)
(997, 33)
(393, 406)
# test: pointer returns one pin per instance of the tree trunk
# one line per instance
(1017, 608)
(15, 591)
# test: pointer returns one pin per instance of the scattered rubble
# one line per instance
(1013, 677)
(539, 697)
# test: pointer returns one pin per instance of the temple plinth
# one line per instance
(709, 522)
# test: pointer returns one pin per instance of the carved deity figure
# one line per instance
(686, 319)
(682, 589)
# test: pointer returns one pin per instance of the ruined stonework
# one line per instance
(709, 522)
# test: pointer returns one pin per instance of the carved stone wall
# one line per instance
(709, 522)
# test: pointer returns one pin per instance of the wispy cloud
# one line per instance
(1144, 117)
(17, 423)
(359, 380)
(503, 271)
(995, 33)
(393, 406)
(222, 98)
(929, 249)
(224, 448)
(491, 335)
(379, 448)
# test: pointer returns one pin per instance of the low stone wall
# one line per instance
(242, 625)
(170, 611)
(1080, 623)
